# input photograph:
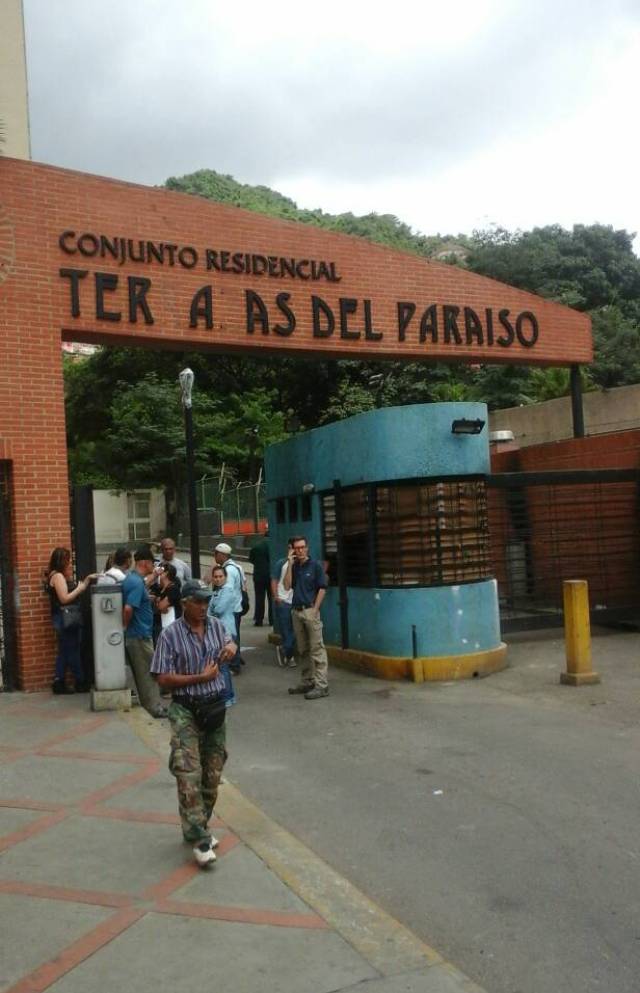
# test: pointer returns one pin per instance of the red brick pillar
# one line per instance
(32, 434)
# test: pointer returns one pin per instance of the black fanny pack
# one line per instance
(208, 714)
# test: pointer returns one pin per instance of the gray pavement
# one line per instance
(497, 819)
(97, 891)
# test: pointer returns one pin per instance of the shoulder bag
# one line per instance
(71, 615)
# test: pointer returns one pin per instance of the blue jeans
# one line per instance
(284, 627)
(68, 656)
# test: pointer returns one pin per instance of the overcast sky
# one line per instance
(450, 114)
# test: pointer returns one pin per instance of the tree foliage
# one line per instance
(384, 228)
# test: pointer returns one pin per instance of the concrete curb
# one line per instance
(427, 668)
(386, 944)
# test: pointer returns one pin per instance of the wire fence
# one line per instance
(227, 506)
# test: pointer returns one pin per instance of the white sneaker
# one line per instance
(204, 854)
(214, 841)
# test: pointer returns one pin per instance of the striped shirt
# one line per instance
(180, 651)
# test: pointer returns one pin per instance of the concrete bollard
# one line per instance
(577, 634)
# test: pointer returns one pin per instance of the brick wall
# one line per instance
(595, 529)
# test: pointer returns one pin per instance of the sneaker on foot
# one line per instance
(214, 841)
(317, 693)
(291, 663)
(204, 853)
(302, 688)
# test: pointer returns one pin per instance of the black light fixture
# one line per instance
(467, 426)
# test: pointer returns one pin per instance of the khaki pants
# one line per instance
(139, 654)
(310, 650)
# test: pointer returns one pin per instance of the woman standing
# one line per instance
(63, 591)
(221, 606)
(165, 594)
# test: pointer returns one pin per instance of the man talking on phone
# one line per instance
(308, 580)
(191, 660)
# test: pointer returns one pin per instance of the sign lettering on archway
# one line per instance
(312, 312)
(95, 260)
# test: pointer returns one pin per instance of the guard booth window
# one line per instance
(355, 536)
(330, 537)
(425, 533)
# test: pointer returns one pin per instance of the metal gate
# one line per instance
(7, 614)
(546, 527)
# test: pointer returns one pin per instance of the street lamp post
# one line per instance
(186, 378)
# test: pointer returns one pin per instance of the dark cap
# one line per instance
(195, 589)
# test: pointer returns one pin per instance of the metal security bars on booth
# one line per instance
(415, 533)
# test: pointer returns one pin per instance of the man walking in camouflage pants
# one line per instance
(191, 659)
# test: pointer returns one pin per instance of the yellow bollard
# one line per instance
(577, 634)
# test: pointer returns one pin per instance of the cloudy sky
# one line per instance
(451, 115)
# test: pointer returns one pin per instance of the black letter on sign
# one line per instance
(202, 306)
(369, 333)
(450, 325)
(74, 275)
(62, 241)
(505, 340)
(405, 313)
(472, 326)
(320, 307)
(105, 282)
(285, 329)
(526, 315)
(489, 315)
(429, 324)
(257, 313)
(138, 286)
(347, 306)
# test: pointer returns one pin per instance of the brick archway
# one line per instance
(95, 260)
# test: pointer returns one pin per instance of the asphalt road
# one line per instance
(498, 819)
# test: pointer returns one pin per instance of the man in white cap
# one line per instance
(237, 581)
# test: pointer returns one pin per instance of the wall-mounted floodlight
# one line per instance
(308, 488)
(466, 425)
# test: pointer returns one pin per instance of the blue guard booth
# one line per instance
(394, 502)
